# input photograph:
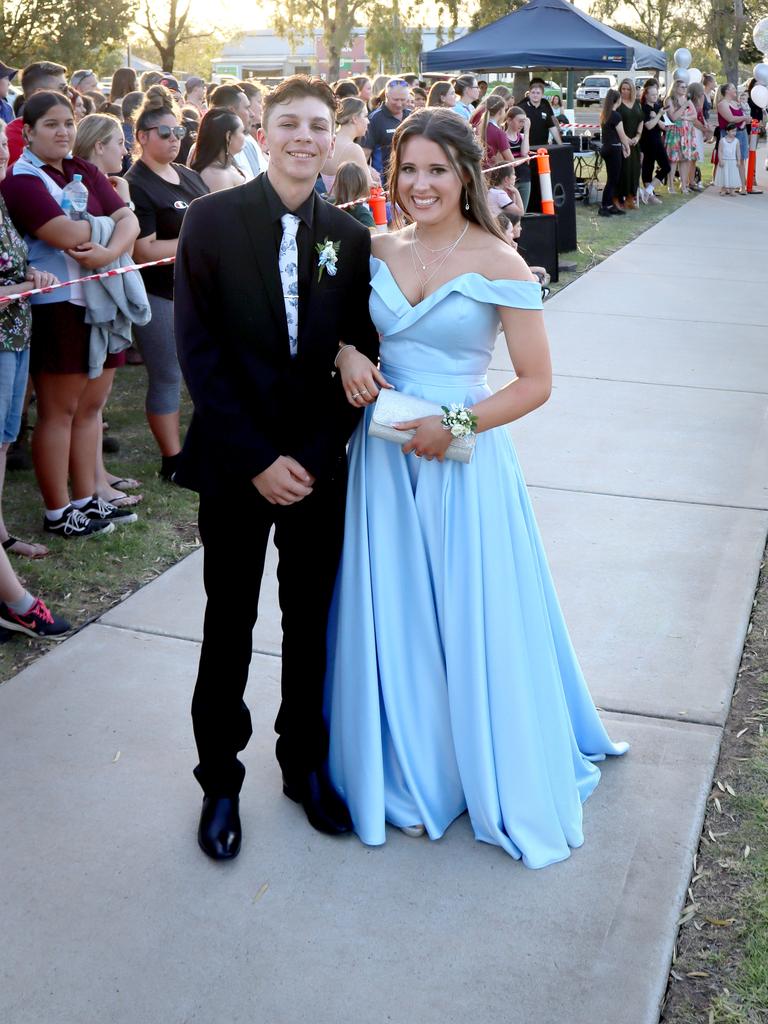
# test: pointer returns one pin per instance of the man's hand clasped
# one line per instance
(284, 482)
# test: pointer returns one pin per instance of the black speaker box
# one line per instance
(563, 193)
(537, 243)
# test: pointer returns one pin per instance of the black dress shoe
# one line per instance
(324, 808)
(220, 832)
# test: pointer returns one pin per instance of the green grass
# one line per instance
(82, 579)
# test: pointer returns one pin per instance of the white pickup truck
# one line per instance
(593, 89)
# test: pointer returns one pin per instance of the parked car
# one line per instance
(593, 89)
(553, 89)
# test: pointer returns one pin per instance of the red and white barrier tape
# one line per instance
(91, 277)
(172, 259)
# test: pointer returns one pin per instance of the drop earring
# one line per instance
(466, 199)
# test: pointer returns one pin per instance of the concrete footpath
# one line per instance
(648, 473)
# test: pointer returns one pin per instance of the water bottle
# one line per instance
(77, 194)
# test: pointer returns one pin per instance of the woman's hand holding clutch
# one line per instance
(360, 378)
(431, 439)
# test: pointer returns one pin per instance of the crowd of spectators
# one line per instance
(649, 142)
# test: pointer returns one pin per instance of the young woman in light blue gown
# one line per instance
(452, 683)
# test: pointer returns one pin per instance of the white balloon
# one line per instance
(694, 75)
(760, 71)
(681, 75)
(760, 35)
(683, 57)
(759, 96)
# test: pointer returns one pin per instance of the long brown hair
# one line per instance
(351, 182)
(457, 140)
(492, 106)
(608, 104)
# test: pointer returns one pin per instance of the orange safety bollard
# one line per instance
(753, 136)
(545, 182)
(378, 206)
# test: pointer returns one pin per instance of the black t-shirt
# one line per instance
(610, 136)
(160, 207)
(650, 134)
(542, 119)
(382, 125)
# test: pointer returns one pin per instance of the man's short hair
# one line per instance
(250, 89)
(538, 81)
(34, 75)
(464, 82)
(297, 87)
(396, 83)
(226, 96)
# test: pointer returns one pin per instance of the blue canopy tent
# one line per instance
(544, 34)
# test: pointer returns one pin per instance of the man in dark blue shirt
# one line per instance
(384, 122)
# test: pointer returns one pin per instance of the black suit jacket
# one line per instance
(252, 402)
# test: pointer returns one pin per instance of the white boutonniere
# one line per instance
(327, 256)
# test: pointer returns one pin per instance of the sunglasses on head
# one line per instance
(165, 131)
(397, 81)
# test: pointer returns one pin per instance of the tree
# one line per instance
(195, 55)
(169, 31)
(75, 33)
(657, 22)
(337, 19)
(392, 37)
(491, 10)
(727, 25)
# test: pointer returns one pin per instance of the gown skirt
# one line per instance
(452, 682)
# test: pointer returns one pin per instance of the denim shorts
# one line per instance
(743, 136)
(14, 371)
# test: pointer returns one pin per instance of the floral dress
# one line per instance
(679, 141)
(15, 317)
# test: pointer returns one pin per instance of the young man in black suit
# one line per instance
(260, 317)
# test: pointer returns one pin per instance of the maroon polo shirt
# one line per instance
(31, 205)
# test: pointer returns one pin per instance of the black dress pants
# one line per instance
(654, 152)
(613, 158)
(235, 528)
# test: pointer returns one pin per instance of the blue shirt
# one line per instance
(464, 109)
(6, 111)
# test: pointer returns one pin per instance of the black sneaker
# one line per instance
(38, 621)
(605, 211)
(72, 523)
(100, 511)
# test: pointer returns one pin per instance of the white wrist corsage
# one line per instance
(459, 420)
(327, 255)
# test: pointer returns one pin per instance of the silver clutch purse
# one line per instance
(395, 407)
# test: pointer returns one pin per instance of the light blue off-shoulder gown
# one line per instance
(452, 682)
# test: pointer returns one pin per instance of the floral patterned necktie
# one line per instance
(288, 265)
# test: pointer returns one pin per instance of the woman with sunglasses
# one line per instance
(161, 190)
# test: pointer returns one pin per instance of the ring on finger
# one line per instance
(356, 394)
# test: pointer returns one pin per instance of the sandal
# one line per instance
(10, 544)
(120, 500)
(124, 484)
